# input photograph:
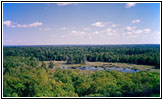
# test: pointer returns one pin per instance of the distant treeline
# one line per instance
(135, 54)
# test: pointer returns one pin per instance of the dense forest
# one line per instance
(136, 54)
(25, 74)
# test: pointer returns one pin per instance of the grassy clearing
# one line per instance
(106, 64)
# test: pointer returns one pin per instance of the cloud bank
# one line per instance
(105, 30)
(9, 23)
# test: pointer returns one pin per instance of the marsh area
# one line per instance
(101, 66)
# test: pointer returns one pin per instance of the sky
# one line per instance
(81, 23)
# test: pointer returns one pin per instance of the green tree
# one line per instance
(51, 64)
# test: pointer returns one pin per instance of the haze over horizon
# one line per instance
(81, 23)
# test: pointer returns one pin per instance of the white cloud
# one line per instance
(114, 31)
(129, 33)
(35, 24)
(77, 33)
(103, 33)
(86, 29)
(147, 30)
(9, 24)
(81, 33)
(137, 31)
(21, 25)
(136, 21)
(74, 32)
(129, 28)
(98, 24)
(114, 25)
(63, 36)
(108, 30)
(109, 34)
(128, 5)
(96, 32)
(63, 4)
(45, 29)
(63, 28)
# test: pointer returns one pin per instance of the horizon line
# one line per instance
(76, 44)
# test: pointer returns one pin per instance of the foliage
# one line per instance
(12, 61)
(76, 59)
(24, 76)
(37, 82)
(136, 54)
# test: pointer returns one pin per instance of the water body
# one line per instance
(102, 68)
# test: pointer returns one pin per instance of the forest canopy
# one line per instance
(135, 54)
(26, 75)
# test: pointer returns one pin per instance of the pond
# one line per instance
(102, 68)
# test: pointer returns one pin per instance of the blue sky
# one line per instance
(81, 23)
